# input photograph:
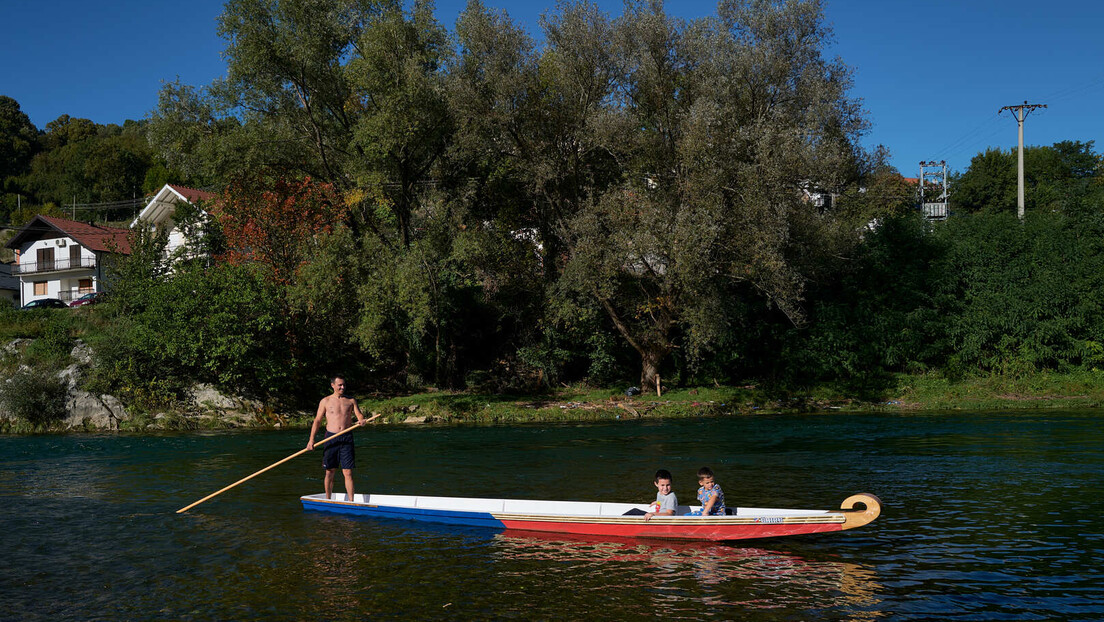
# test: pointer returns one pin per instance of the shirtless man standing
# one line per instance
(339, 411)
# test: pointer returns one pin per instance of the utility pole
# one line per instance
(1022, 111)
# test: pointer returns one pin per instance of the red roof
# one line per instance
(192, 194)
(92, 237)
(912, 180)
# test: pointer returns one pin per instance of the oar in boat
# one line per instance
(271, 466)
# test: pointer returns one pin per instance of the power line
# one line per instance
(1076, 90)
(970, 137)
(988, 128)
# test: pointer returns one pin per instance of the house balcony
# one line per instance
(57, 265)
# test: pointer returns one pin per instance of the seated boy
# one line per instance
(710, 495)
(665, 498)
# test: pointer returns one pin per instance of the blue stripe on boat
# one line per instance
(450, 517)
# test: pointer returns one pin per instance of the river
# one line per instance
(985, 517)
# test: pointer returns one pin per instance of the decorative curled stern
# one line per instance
(857, 518)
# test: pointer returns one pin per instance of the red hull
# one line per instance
(677, 532)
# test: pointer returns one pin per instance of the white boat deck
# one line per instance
(538, 507)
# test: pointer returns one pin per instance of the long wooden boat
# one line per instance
(603, 519)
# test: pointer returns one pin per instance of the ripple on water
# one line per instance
(984, 517)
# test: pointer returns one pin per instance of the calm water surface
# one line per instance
(985, 517)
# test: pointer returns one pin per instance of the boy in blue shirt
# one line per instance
(710, 495)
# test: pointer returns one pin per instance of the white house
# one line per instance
(59, 258)
(159, 212)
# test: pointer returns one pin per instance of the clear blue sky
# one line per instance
(932, 75)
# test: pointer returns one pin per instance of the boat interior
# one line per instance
(537, 507)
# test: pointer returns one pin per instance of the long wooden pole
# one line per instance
(271, 466)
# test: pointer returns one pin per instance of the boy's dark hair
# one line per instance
(335, 377)
(705, 472)
(663, 474)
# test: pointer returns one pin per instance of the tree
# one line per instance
(1019, 296)
(89, 162)
(277, 227)
(1065, 176)
(66, 130)
(18, 143)
(639, 177)
(284, 106)
(529, 119)
(18, 139)
(726, 119)
(879, 192)
(403, 124)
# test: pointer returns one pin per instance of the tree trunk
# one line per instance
(651, 351)
(649, 369)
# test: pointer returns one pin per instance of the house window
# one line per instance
(85, 286)
(45, 259)
(40, 288)
(75, 256)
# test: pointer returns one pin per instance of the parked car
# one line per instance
(88, 299)
(45, 303)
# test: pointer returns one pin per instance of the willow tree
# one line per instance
(529, 119)
(722, 122)
(404, 124)
(282, 106)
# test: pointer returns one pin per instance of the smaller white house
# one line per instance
(158, 213)
(9, 286)
(63, 259)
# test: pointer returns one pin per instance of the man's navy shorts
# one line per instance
(339, 452)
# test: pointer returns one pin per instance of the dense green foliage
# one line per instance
(31, 391)
(631, 198)
(71, 160)
(982, 293)
(1063, 177)
(577, 183)
(34, 397)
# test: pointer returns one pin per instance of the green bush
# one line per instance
(35, 397)
(23, 324)
(51, 349)
(225, 325)
(1019, 297)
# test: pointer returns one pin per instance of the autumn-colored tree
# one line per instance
(277, 226)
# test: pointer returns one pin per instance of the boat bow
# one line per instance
(872, 507)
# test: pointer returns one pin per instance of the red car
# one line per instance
(88, 299)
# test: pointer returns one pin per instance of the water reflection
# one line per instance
(677, 572)
(986, 517)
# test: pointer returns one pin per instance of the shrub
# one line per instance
(51, 349)
(35, 397)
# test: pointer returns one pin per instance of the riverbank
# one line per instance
(910, 393)
(902, 393)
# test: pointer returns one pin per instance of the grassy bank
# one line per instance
(912, 393)
(1077, 390)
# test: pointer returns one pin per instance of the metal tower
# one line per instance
(937, 208)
